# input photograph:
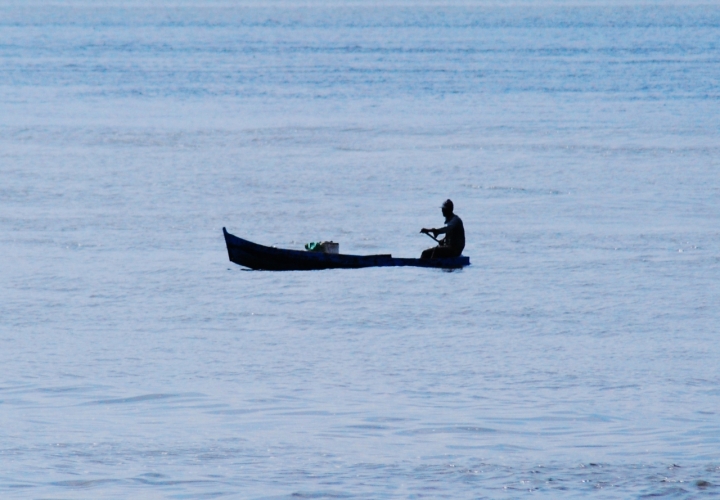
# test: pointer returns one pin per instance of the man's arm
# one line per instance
(451, 224)
(435, 232)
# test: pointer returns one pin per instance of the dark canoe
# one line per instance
(249, 254)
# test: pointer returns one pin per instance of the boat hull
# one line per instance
(248, 254)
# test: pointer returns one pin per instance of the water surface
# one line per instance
(576, 357)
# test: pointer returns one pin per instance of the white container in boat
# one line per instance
(331, 247)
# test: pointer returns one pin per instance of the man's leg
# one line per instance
(428, 254)
(444, 253)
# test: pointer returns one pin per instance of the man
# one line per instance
(454, 242)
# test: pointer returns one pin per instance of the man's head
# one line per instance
(447, 208)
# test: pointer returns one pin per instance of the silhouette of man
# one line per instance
(454, 242)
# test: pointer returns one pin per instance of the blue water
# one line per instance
(576, 357)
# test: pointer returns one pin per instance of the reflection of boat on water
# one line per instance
(249, 254)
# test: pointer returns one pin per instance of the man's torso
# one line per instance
(455, 236)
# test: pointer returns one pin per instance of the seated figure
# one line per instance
(454, 242)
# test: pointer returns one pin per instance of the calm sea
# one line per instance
(577, 357)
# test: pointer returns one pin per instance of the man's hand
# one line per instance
(428, 231)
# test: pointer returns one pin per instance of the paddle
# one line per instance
(428, 233)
